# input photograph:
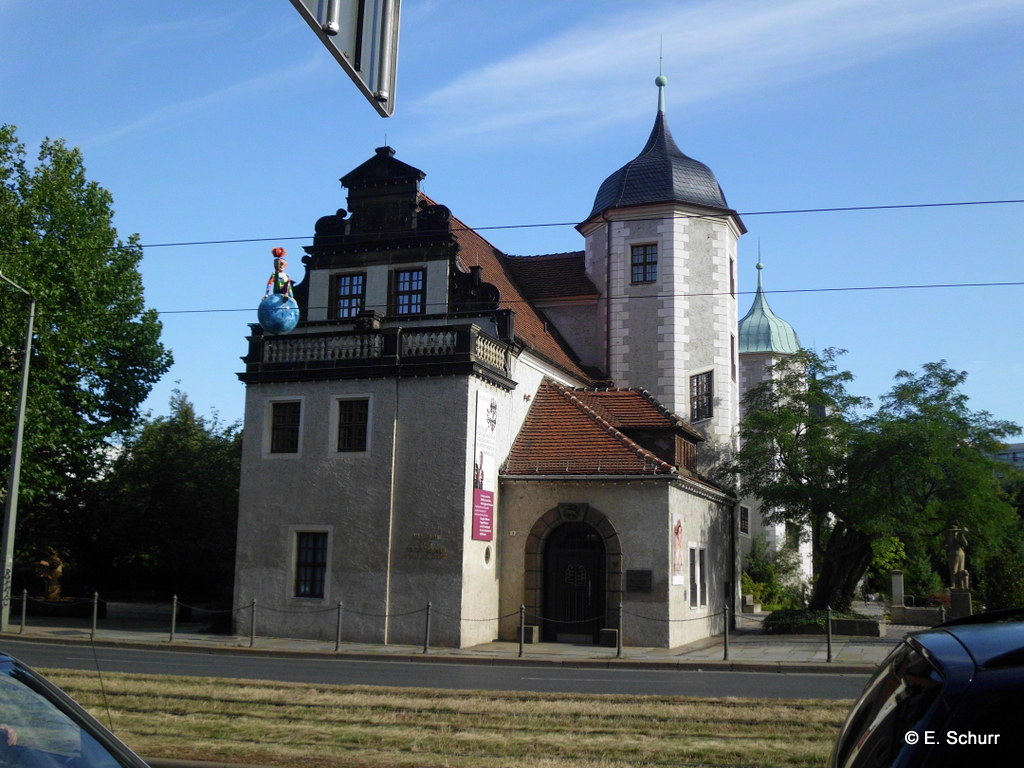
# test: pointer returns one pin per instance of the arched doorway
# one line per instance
(574, 584)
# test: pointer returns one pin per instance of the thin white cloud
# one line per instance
(712, 50)
(172, 114)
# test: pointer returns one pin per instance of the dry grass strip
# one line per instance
(341, 726)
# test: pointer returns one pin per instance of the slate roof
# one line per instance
(551, 276)
(761, 330)
(580, 432)
(530, 327)
(660, 173)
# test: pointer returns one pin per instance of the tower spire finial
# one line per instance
(661, 81)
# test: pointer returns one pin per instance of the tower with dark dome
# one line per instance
(661, 246)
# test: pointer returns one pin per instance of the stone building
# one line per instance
(455, 426)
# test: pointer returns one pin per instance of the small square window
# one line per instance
(352, 425)
(310, 563)
(701, 396)
(409, 292)
(349, 295)
(644, 264)
(285, 418)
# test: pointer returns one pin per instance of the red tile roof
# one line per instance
(552, 276)
(530, 326)
(578, 432)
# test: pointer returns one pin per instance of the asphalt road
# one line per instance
(512, 676)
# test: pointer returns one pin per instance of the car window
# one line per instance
(895, 702)
(35, 733)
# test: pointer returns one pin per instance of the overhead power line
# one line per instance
(490, 228)
(839, 289)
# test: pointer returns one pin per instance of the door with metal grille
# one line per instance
(574, 584)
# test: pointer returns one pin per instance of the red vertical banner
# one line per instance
(484, 471)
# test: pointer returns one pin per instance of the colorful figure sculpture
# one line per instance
(279, 281)
(278, 313)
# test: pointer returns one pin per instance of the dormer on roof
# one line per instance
(761, 330)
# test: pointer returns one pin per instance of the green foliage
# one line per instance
(772, 577)
(164, 516)
(817, 458)
(96, 352)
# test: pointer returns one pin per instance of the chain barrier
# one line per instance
(705, 617)
(340, 609)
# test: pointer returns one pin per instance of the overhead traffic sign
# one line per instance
(363, 36)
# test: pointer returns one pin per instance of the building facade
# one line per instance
(504, 438)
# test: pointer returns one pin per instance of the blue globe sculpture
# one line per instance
(278, 314)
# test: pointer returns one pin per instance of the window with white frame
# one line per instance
(349, 295)
(698, 576)
(409, 292)
(701, 396)
(643, 263)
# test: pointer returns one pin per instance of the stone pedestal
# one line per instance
(960, 603)
(897, 587)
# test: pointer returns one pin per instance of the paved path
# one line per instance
(749, 648)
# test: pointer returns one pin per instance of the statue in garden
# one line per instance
(50, 571)
(956, 557)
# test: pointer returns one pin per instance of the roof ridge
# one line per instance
(637, 449)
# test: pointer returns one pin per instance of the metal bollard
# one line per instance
(522, 628)
(252, 625)
(95, 611)
(828, 615)
(725, 654)
(174, 617)
(337, 633)
(426, 631)
(618, 635)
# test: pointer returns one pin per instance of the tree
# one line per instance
(96, 352)
(163, 518)
(816, 457)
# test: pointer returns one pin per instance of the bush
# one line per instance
(773, 578)
(790, 621)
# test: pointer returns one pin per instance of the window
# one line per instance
(409, 292)
(352, 424)
(686, 454)
(285, 418)
(644, 264)
(349, 297)
(701, 396)
(745, 520)
(702, 575)
(310, 563)
(732, 354)
(693, 577)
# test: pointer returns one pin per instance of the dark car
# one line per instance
(42, 727)
(949, 696)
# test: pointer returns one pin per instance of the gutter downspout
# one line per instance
(391, 518)
(607, 295)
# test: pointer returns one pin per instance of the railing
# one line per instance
(461, 348)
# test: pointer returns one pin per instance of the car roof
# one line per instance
(999, 644)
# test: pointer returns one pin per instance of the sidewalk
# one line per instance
(749, 648)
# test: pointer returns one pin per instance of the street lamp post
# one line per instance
(14, 476)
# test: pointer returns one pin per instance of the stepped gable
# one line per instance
(564, 435)
(552, 276)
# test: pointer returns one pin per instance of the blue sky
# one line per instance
(229, 121)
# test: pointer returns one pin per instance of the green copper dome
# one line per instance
(761, 330)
